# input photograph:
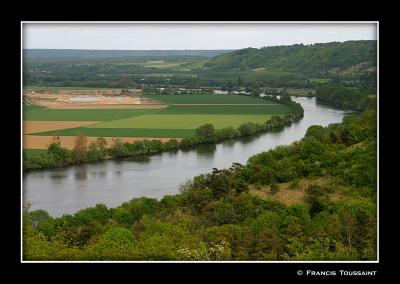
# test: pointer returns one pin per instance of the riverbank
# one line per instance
(57, 156)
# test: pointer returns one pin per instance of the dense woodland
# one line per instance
(222, 215)
(349, 98)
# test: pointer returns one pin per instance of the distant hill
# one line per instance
(84, 53)
(334, 58)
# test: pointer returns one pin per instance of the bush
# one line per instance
(206, 134)
(118, 149)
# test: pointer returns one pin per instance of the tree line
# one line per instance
(346, 97)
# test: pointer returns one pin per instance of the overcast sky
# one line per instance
(187, 36)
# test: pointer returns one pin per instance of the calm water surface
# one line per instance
(112, 182)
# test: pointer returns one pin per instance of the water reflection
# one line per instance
(142, 159)
(115, 181)
(247, 139)
(206, 150)
(81, 173)
(58, 176)
(229, 143)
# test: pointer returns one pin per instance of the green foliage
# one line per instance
(350, 98)
(118, 149)
(312, 59)
(206, 134)
(217, 217)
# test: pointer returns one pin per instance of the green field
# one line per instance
(33, 152)
(208, 99)
(31, 108)
(225, 109)
(154, 64)
(180, 119)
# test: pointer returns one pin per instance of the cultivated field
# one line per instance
(169, 116)
(40, 126)
(181, 121)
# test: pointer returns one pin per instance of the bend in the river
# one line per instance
(112, 182)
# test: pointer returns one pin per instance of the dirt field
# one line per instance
(78, 99)
(40, 126)
(42, 142)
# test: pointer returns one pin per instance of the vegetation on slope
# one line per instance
(316, 59)
(216, 217)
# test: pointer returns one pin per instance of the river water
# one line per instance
(113, 182)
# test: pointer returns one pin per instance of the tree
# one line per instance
(206, 133)
(248, 128)
(59, 153)
(118, 149)
(93, 153)
(80, 148)
(101, 143)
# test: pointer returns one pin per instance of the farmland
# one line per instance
(208, 99)
(181, 121)
(176, 116)
(84, 114)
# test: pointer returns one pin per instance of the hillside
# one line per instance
(334, 58)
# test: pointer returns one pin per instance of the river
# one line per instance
(113, 182)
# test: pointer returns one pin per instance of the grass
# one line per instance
(122, 132)
(181, 121)
(29, 108)
(155, 64)
(288, 194)
(318, 80)
(225, 109)
(33, 152)
(85, 114)
(208, 99)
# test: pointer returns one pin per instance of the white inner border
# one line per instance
(200, 22)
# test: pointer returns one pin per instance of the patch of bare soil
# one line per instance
(290, 193)
(40, 126)
(84, 99)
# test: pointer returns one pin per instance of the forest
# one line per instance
(239, 213)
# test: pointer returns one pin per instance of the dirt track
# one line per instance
(42, 142)
(40, 126)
